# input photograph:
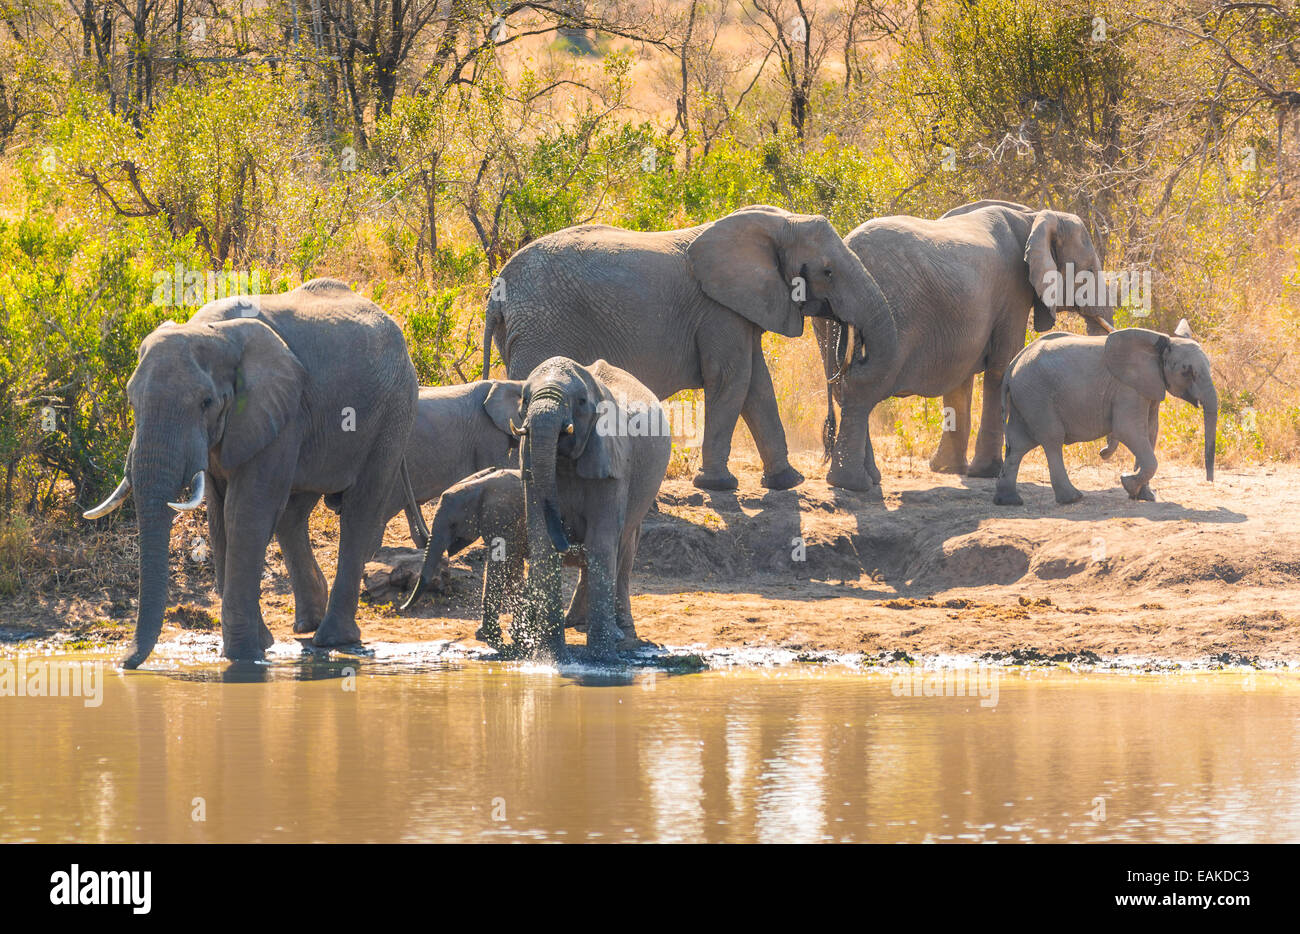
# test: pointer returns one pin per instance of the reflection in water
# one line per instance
(363, 749)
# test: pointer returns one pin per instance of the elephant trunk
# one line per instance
(543, 426)
(155, 518)
(163, 459)
(438, 542)
(1210, 406)
(858, 301)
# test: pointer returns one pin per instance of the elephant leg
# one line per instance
(763, 417)
(253, 503)
(1066, 492)
(216, 510)
(988, 440)
(576, 617)
(951, 454)
(726, 387)
(1134, 430)
(310, 592)
(852, 459)
(602, 585)
(361, 521)
(626, 559)
(1019, 443)
(496, 582)
(1153, 420)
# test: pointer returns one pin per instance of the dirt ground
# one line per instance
(929, 567)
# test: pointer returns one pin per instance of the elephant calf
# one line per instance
(1065, 388)
(487, 505)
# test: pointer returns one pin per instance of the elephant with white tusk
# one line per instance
(263, 405)
(961, 289)
(1067, 388)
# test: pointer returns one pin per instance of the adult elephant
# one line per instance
(960, 289)
(263, 405)
(595, 445)
(685, 309)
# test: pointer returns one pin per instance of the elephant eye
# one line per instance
(207, 403)
(827, 272)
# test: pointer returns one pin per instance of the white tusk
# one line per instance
(196, 498)
(115, 499)
(568, 428)
(517, 431)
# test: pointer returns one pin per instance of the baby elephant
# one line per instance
(487, 505)
(1066, 388)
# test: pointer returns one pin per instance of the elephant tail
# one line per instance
(414, 518)
(828, 429)
(1006, 416)
(491, 319)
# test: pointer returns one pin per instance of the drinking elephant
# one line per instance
(684, 309)
(595, 445)
(1066, 388)
(264, 404)
(961, 288)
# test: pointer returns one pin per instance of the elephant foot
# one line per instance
(576, 623)
(305, 622)
(1131, 486)
(602, 646)
(783, 479)
(991, 468)
(721, 482)
(943, 463)
(1007, 499)
(265, 637)
(247, 649)
(333, 632)
(1147, 496)
(1068, 497)
(849, 478)
(490, 635)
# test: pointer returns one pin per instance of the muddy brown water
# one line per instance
(365, 749)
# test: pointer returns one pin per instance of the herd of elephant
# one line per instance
(264, 405)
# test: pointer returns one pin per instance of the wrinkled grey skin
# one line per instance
(601, 474)
(1066, 388)
(254, 391)
(685, 309)
(488, 505)
(961, 289)
(451, 438)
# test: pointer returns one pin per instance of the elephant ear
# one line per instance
(737, 262)
(502, 404)
(269, 381)
(603, 454)
(1044, 276)
(1134, 357)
